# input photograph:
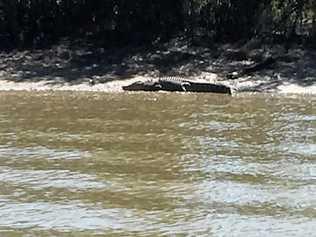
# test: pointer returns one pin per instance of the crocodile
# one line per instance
(177, 84)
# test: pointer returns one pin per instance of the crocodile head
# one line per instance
(143, 86)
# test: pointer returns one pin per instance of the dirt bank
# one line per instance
(86, 68)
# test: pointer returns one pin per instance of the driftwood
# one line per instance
(253, 68)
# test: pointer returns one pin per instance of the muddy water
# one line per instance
(96, 164)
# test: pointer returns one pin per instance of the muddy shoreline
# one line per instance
(85, 68)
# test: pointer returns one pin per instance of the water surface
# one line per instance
(147, 164)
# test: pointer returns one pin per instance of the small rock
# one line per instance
(91, 82)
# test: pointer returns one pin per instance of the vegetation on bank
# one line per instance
(108, 23)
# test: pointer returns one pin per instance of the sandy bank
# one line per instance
(116, 86)
(72, 68)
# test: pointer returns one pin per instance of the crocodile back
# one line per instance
(173, 79)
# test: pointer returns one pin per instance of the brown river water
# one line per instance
(145, 164)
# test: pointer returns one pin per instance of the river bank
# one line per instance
(85, 68)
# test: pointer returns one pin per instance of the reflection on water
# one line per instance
(150, 164)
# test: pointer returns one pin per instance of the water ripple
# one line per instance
(39, 179)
